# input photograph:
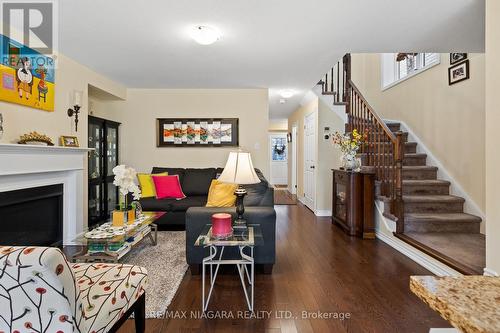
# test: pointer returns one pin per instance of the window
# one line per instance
(278, 148)
(409, 64)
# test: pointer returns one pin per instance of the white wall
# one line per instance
(491, 137)
(138, 130)
(278, 125)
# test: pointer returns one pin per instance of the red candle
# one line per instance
(221, 225)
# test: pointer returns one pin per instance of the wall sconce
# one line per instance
(77, 102)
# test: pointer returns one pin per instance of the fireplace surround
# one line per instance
(25, 167)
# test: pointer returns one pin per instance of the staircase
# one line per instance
(426, 215)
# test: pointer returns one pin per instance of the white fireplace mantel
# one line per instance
(27, 166)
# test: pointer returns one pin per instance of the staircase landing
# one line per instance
(464, 252)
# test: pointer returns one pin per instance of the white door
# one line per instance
(294, 159)
(310, 160)
(278, 152)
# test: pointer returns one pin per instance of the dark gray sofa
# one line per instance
(192, 215)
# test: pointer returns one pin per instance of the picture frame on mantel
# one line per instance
(197, 132)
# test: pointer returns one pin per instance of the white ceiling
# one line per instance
(273, 44)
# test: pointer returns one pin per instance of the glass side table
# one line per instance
(245, 264)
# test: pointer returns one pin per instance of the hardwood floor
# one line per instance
(318, 268)
(284, 197)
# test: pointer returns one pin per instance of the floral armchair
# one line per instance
(40, 291)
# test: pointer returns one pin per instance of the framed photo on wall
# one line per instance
(455, 58)
(458, 73)
(197, 132)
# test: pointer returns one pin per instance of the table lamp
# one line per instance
(239, 170)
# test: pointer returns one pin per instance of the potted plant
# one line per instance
(125, 180)
(349, 144)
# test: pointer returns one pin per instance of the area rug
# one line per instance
(166, 265)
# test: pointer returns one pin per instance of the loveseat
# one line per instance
(190, 213)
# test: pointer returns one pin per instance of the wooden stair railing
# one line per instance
(384, 150)
(335, 81)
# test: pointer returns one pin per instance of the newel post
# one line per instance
(399, 152)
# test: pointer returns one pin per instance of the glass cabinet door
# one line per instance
(95, 204)
(95, 142)
(341, 209)
(112, 149)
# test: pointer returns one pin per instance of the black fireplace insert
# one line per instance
(32, 216)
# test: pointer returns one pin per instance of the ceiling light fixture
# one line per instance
(287, 93)
(205, 35)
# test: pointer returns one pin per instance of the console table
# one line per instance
(353, 200)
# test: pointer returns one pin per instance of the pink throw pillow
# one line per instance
(168, 187)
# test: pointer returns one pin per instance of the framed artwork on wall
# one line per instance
(458, 73)
(455, 58)
(27, 77)
(197, 132)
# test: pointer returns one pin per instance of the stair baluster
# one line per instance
(384, 150)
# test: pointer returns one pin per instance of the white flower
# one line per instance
(125, 180)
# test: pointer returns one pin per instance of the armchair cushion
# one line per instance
(106, 292)
(37, 290)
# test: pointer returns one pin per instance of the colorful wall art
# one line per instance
(173, 132)
(27, 77)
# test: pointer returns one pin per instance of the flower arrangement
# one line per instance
(349, 144)
(125, 179)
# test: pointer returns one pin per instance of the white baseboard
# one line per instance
(470, 206)
(490, 272)
(384, 229)
(301, 199)
(323, 212)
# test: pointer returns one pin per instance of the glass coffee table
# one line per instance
(107, 243)
(253, 237)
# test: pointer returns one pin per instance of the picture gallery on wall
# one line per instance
(199, 132)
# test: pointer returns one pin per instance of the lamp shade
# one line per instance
(239, 169)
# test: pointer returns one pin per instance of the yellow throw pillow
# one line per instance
(147, 185)
(221, 194)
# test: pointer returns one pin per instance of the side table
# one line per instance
(245, 263)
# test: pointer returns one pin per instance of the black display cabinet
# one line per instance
(103, 195)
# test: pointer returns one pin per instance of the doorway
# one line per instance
(293, 179)
(278, 152)
(310, 161)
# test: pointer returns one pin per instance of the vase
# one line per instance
(350, 162)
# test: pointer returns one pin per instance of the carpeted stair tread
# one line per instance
(442, 217)
(465, 252)
(419, 167)
(432, 198)
(425, 182)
